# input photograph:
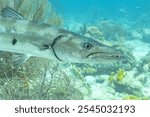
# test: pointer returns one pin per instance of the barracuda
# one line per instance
(28, 38)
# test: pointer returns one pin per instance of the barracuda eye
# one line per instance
(87, 46)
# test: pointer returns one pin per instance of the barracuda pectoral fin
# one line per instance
(10, 13)
(42, 46)
(18, 59)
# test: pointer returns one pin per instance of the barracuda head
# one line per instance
(71, 47)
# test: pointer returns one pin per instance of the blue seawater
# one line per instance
(91, 10)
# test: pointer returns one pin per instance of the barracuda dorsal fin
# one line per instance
(10, 13)
(18, 59)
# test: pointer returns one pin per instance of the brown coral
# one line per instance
(36, 10)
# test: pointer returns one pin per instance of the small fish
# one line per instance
(28, 38)
(124, 11)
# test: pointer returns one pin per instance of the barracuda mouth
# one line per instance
(105, 56)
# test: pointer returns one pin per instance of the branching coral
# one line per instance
(35, 10)
(4, 3)
(53, 84)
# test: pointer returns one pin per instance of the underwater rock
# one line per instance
(100, 81)
(128, 85)
(142, 34)
(144, 79)
(146, 35)
(90, 80)
(94, 31)
(137, 35)
(101, 92)
(144, 65)
(112, 30)
(129, 61)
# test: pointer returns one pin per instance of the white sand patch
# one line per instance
(140, 49)
(101, 92)
(147, 31)
(137, 35)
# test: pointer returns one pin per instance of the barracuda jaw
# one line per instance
(105, 56)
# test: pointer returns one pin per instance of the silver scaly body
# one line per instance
(28, 38)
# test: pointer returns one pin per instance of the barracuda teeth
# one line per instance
(117, 56)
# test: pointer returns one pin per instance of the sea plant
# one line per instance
(134, 97)
(117, 77)
(53, 84)
(111, 78)
(35, 10)
(83, 29)
(120, 75)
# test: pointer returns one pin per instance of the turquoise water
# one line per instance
(92, 10)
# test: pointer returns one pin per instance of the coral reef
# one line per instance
(144, 65)
(133, 97)
(35, 10)
(121, 83)
(120, 75)
(112, 30)
(4, 3)
(117, 77)
(94, 32)
(111, 78)
(52, 84)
